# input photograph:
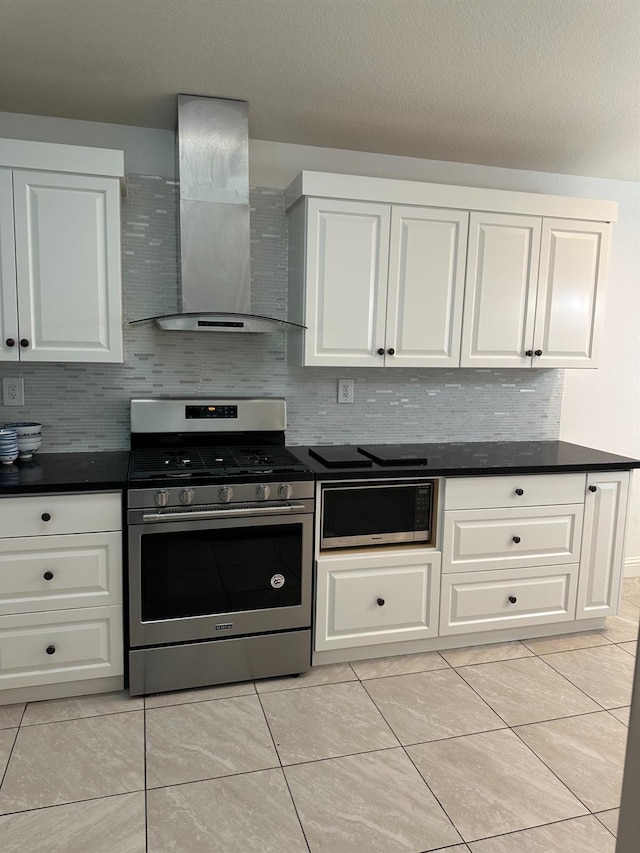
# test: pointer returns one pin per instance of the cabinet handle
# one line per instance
(593, 488)
(24, 342)
(380, 602)
(520, 492)
(48, 576)
(529, 353)
(516, 539)
(45, 516)
(391, 351)
(381, 351)
(10, 342)
(512, 599)
(51, 650)
(538, 352)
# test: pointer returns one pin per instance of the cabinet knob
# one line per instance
(24, 342)
(381, 351)
(512, 599)
(593, 488)
(48, 576)
(46, 516)
(10, 342)
(519, 491)
(51, 650)
(391, 351)
(516, 539)
(380, 602)
(529, 353)
(538, 352)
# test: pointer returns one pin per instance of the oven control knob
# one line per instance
(285, 491)
(186, 496)
(161, 498)
(263, 492)
(225, 494)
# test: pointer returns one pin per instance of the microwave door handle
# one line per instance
(194, 515)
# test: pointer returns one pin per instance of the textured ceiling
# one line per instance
(551, 85)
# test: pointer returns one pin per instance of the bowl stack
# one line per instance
(29, 437)
(8, 446)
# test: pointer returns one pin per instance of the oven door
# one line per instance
(202, 578)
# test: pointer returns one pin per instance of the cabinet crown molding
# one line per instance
(393, 191)
(54, 157)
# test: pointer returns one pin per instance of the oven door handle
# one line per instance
(194, 515)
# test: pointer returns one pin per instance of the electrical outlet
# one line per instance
(345, 390)
(12, 392)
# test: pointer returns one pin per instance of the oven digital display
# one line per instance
(212, 412)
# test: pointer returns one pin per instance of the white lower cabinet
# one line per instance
(518, 552)
(366, 599)
(481, 601)
(605, 521)
(60, 594)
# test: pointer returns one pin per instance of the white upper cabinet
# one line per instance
(573, 262)
(61, 270)
(347, 260)
(406, 274)
(383, 285)
(426, 287)
(534, 292)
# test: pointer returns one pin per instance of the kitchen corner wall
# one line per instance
(85, 407)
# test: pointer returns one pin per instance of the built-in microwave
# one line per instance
(376, 512)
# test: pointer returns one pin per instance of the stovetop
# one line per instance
(207, 462)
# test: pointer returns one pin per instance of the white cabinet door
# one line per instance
(9, 345)
(500, 295)
(603, 549)
(67, 232)
(573, 261)
(426, 287)
(376, 598)
(347, 257)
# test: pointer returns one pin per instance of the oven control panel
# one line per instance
(238, 493)
(210, 412)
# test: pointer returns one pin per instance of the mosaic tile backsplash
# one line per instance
(86, 407)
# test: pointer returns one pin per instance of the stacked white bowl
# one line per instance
(29, 437)
(8, 446)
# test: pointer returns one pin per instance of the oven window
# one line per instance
(366, 512)
(220, 571)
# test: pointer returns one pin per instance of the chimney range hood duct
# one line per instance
(213, 173)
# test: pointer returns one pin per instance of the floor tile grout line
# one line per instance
(73, 719)
(573, 683)
(13, 746)
(595, 814)
(552, 771)
(74, 802)
(528, 828)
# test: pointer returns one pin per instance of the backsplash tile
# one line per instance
(86, 407)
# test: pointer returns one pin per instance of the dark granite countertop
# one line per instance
(457, 459)
(65, 472)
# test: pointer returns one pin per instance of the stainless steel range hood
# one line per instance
(213, 171)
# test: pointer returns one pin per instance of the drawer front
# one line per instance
(60, 572)
(475, 540)
(86, 643)
(366, 606)
(55, 514)
(537, 490)
(487, 600)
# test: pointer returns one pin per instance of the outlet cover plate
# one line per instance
(12, 391)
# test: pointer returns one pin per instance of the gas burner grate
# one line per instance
(198, 462)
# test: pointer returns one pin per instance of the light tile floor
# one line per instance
(510, 748)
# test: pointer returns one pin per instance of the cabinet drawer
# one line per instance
(86, 643)
(488, 600)
(60, 572)
(368, 600)
(539, 536)
(537, 490)
(77, 513)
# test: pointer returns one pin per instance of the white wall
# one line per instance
(600, 407)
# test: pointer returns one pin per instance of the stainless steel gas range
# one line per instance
(220, 530)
